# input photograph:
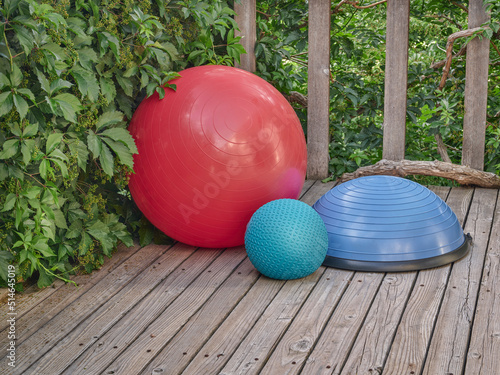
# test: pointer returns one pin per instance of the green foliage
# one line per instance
(357, 59)
(71, 75)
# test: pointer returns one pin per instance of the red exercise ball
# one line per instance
(212, 152)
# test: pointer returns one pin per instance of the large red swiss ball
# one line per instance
(212, 152)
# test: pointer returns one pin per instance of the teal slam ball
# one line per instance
(286, 239)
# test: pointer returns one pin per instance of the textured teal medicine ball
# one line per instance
(286, 239)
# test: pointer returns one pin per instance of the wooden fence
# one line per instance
(394, 126)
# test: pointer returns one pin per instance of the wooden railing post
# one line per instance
(318, 124)
(396, 79)
(476, 91)
(247, 22)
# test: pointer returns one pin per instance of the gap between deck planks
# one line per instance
(182, 310)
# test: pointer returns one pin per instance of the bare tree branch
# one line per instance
(449, 51)
(460, 173)
(355, 5)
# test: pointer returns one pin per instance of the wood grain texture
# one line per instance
(94, 338)
(476, 90)
(151, 341)
(377, 333)
(187, 311)
(296, 344)
(41, 341)
(318, 87)
(396, 78)
(254, 350)
(188, 341)
(32, 306)
(247, 21)
(448, 348)
(410, 347)
(483, 355)
(333, 346)
(215, 353)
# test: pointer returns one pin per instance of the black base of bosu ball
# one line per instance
(389, 224)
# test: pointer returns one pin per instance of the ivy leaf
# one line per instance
(79, 149)
(4, 81)
(85, 244)
(25, 38)
(43, 168)
(87, 83)
(59, 84)
(94, 144)
(87, 57)
(69, 105)
(21, 105)
(16, 77)
(60, 220)
(44, 249)
(26, 152)
(122, 135)
(5, 259)
(121, 151)
(108, 89)
(10, 148)
(10, 201)
(109, 118)
(106, 159)
(53, 141)
(100, 232)
(6, 102)
(126, 85)
(30, 130)
(107, 40)
(10, 5)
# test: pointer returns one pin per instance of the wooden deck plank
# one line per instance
(372, 345)
(225, 340)
(253, 351)
(187, 342)
(333, 346)
(296, 344)
(409, 350)
(153, 339)
(376, 336)
(448, 349)
(97, 335)
(213, 313)
(483, 356)
(33, 301)
(41, 341)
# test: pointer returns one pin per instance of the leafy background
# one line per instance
(71, 75)
(73, 72)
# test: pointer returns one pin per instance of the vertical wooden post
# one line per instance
(476, 91)
(318, 124)
(396, 79)
(246, 15)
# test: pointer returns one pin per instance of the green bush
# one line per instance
(71, 75)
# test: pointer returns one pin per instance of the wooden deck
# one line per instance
(181, 310)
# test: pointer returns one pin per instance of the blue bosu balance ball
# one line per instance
(388, 224)
(286, 239)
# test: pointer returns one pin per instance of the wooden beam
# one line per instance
(396, 78)
(476, 90)
(318, 124)
(246, 16)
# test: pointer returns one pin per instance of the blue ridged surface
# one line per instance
(387, 219)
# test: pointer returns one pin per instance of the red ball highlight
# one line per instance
(212, 152)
